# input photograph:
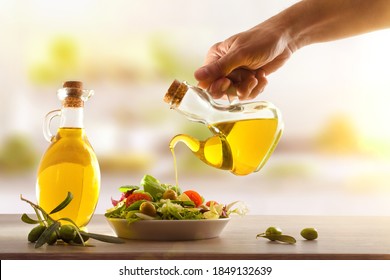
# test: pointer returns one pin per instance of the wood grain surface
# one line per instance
(348, 238)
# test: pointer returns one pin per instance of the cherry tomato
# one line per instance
(208, 203)
(195, 197)
(137, 196)
(123, 197)
(126, 195)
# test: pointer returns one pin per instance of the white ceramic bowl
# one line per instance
(168, 230)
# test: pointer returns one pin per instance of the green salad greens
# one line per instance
(153, 200)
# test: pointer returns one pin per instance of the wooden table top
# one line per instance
(348, 238)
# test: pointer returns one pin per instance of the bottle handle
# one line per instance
(46, 125)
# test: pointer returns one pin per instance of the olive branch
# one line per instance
(49, 226)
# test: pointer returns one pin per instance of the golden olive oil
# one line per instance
(69, 165)
(241, 146)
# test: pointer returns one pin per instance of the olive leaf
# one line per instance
(63, 204)
(41, 213)
(25, 218)
(45, 236)
(104, 238)
(278, 237)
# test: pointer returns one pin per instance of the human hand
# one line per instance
(243, 61)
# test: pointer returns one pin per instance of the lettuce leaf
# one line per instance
(153, 187)
(116, 212)
(174, 211)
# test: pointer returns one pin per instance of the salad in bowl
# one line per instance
(157, 211)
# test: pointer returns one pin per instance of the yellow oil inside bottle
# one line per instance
(69, 165)
(241, 146)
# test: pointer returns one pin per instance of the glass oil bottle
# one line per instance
(244, 134)
(69, 164)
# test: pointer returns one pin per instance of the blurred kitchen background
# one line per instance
(334, 155)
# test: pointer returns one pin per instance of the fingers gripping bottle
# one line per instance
(244, 134)
(69, 164)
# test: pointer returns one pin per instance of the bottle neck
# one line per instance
(72, 117)
(196, 105)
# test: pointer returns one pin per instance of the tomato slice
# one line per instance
(195, 197)
(137, 196)
(208, 203)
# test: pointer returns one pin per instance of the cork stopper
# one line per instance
(73, 84)
(71, 94)
(175, 93)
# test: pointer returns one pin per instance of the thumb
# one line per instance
(216, 69)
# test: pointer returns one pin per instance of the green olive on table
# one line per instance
(35, 233)
(52, 239)
(275, 234)
(309, 233)
(273, 231)
(67, 233)
(77, 239)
